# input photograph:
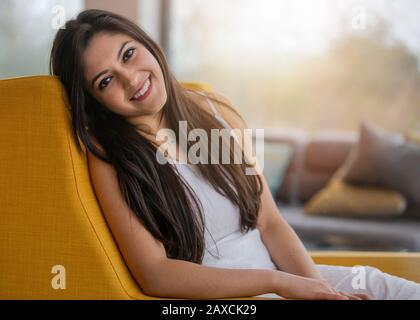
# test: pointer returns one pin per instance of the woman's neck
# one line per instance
(149, 126)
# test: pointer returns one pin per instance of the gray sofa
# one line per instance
(316, 158)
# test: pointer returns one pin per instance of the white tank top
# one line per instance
(225, 245)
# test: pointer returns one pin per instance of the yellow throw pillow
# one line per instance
(340, 198)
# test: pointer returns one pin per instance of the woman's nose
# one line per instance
(129, 78)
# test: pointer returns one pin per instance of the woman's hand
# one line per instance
(357, 296)
(297, 287)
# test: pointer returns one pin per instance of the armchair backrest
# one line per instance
(52, 231)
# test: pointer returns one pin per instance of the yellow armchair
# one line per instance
(51, 226)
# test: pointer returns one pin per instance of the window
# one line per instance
(321, 64)
(27, 29)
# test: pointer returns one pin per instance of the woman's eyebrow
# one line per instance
(118, 57)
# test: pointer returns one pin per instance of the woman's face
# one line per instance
(125, 77)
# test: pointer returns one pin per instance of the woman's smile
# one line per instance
(144, 91)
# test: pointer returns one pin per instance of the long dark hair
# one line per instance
(162, 201)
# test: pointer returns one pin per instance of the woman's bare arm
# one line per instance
(183, 279)
(285, 247)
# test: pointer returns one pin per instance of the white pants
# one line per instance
(368, 280)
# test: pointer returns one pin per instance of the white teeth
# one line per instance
(143, 90)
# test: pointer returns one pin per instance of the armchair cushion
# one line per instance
(49, 215)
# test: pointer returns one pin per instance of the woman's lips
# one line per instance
(146, 94)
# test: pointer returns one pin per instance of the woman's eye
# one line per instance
(128, 54)
(104, 83)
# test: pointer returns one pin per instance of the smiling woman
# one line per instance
(103, 61)
(184, 231)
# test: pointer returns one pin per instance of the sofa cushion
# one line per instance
(327, 151)
(385, 160)
(316, 158)
(343, 199)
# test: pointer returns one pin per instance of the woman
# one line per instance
(185, 230)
